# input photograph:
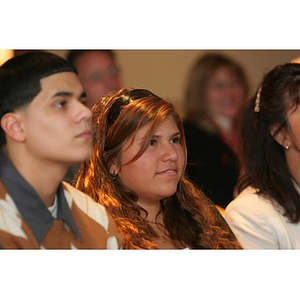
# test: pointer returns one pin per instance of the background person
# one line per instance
(266, 212)
(98, 72)
(216, 90)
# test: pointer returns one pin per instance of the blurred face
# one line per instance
(98, 74)
(224, 94)
(155, 174)
(57, 124)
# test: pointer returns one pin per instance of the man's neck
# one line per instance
(43, 176)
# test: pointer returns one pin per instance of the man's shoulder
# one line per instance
(11, 223)
(93, 210)
(86, 204)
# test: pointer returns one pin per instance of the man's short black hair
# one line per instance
(20, 79)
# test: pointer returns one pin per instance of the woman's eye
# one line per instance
(152, 142)
(176, 140)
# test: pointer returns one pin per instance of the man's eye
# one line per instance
(113, 71)
(84, 101)
(96, 77)
(61, 104)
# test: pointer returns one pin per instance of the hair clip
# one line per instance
(257, 100)
(124, 100)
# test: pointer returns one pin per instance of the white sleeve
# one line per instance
(253, 221)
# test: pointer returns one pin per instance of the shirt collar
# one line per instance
(31, 207)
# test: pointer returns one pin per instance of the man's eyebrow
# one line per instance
(67, 94)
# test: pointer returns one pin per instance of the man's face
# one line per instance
(98, 74)
(57, 124)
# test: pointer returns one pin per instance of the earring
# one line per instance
(113, 175)
(287, 147)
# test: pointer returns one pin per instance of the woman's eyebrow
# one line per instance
(172, 135)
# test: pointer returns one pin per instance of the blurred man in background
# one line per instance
(98, 72)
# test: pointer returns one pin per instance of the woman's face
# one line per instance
(156, 173)
(293, 135)
(289, 138)
(224, 94)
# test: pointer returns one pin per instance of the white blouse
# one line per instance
(258, 224)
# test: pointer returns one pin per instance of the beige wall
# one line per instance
(164, 71)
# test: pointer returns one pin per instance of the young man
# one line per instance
(46, 128)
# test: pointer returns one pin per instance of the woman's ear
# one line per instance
(114, 169)
(12, 126)
(281, 137)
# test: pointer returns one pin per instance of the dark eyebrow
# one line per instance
(67, 94)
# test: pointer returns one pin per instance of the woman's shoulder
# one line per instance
(250, 202)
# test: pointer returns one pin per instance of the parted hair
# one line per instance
(20, 79)
(262, 159)
(189, 217)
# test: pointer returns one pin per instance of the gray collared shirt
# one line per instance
(31, 207)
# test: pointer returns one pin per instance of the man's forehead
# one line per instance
(60, 79)
(59, 83)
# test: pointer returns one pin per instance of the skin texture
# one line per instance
(155, 174)
(56, 123)
(98, 74)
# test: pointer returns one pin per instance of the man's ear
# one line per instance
(12, 126)
(281, 137)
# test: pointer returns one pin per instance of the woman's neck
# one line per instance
(152, 208)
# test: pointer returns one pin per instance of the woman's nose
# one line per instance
(169, 152)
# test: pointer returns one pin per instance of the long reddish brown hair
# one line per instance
(189, 217)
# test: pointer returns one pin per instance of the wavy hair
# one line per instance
(190, 219)
(262, 159)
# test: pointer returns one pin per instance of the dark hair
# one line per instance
(20, 79)
(73, 55)
(202, 70)
(262, 159)
(189, 217)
